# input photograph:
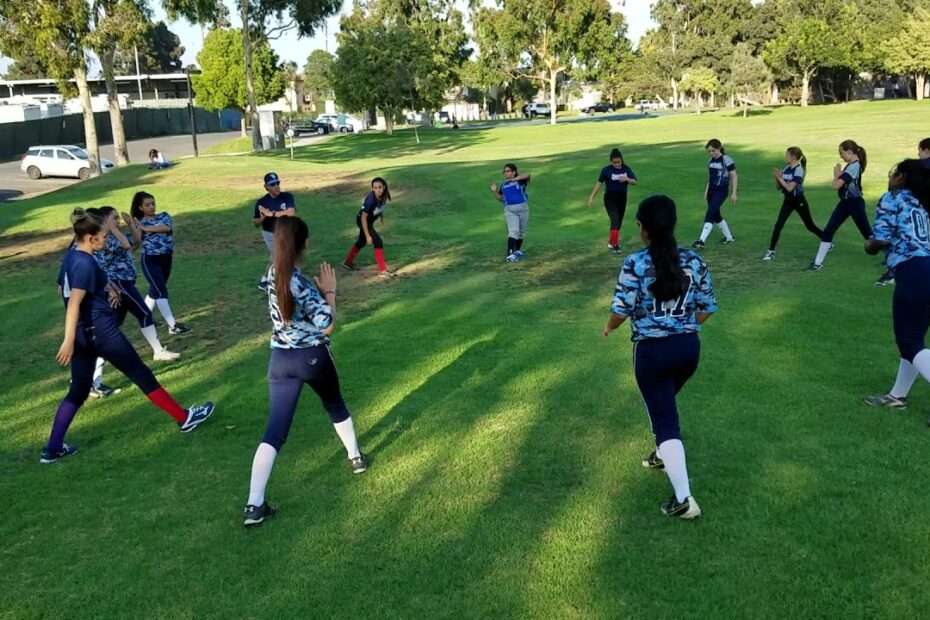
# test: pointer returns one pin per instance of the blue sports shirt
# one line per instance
(632, 298)
(116, 261)
(718, 171)
(610, 177)
(158, 243)
(926, 163)
(283, 202)
(513, 192)
(902, 222)
(80, 270)
(852, 176)
(311, 315)
(793, 175)
(373, 207)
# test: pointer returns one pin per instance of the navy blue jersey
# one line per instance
(283, 202)
(513, 192)
(718, 171)
(154, 244)
(311, 316)
(852, 177)
(926, 163)
(116, 261)
(373, 207)
(79, 270)
(632, 298)
(902, 222)
(610, 177)
(793, 174)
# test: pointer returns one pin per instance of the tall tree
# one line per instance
(29, 67)
(698, 81)
(611, 60)
(908, 52)
(221, 83)
(318, 76)
(541, 39)
(160, 51)
(748, 74)
(671, 41)
(56, 32)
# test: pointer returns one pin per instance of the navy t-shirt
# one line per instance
(283, 202)
(926, 163)
(80, 270)
(610, 177)
(373, 207)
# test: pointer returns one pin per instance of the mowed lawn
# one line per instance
(504, 435)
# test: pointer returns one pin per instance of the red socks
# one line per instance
(379, 256)
(353, 252)
(614, 236)
(163, 400)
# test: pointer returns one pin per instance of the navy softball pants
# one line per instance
(910, 307)
(157, 269)
(662, 366)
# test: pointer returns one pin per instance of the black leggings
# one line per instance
(615, 203)
(375, 237)
(131, 302)
(846, 208)
(789, 206)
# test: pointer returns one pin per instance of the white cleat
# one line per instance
(166, 356)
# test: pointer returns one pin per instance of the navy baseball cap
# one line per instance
(272, 179)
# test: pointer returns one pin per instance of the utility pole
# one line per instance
(135, 48)
(190, 106)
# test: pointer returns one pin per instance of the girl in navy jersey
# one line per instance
(902, 230)
(790, 182)
(618, 177)
(157, 254)
(92, 330)
(302, 317)
(847, 181)
(372, 209)
(666, 293)
(512, 193)
(721, 171)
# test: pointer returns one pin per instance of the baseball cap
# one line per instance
(272, 179)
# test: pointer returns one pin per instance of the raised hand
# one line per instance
(326, 281)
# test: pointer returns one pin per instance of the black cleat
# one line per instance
(179, 328)
(687, 509)
(887, 400)
(196, 416)
(726, 241)
(254, 515)
(349, 266)
(813, 267)
(698, 245)
(885, 279)
(358, 465)
(102, 391)
(50, 457)
(653, 462)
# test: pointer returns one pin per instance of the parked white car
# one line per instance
(537, 109)
(59, 161)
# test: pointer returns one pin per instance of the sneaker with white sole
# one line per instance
(687, 509)
(165, 356)
(196, 416)
(254, 515)
(103, 390)
(50, 457)
(653, 461)
(769, 255)
(726, 241)
(885, 279)
(512, 258)
(886, 400)
(179, 328)
(698, 245)
(358, 465)
(814, 267)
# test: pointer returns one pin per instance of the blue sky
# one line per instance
(290, 47)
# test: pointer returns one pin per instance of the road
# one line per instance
(14, 184)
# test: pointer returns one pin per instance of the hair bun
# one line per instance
(77, 215)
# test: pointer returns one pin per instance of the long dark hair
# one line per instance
(615, 154)
(290, 241)
(715, 144)
(850, 145)
(798, 154)
(387, 191)
(658, 217)
(85, 222)
(924, 144)
(915, 178)
(136, 208)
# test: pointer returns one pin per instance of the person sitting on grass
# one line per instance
(157, 160)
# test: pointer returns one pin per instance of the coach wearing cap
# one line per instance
(268, 209)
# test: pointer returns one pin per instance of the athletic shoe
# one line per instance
(166, 356)
(512, 258)
(616, 249)
(687, 509)
(726, 241)
(358, 464)
(698, 245)
(387, 275)
(50, 457)
(519, 254)
(769, 255)
(349, 266)
(179, 328)
(103, 390)
(653, 461)
(813, 267)
(253, 515)
(885, 279)
(832, 247)
(886, 400)
(196, 415)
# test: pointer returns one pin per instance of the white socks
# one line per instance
(725, 229)
(673, 455)
(822, 252)
(346, 432)
(151, 336)
(922, 363)
(705, 232)
(149, 303)
(261, 471)
(905, 379)
(165, 308)
(98, 372)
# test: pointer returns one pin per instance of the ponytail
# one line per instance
(290, 240)
(136, 208)
(850, 145)
(85, 222)
(658, 218)
(798, 154)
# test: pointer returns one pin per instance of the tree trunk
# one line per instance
(805, 88)
(775, 99)
(90, 129)
(713, 100)
(116, 114)
(553, 104)
(242, 124)
(388, 120)
(249, 79)
(921, 79)
(674, 94)
(697, 102)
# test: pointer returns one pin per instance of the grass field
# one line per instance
(504, 436)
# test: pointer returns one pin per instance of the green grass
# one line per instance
(504, 435)
(242, 144)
